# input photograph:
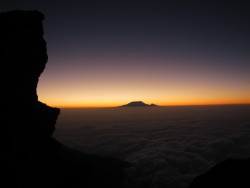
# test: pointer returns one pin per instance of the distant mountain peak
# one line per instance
(137, 104)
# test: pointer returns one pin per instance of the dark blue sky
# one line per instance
(179, 27)
(212, 39)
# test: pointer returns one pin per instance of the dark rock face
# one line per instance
(32, 157)
(23, 52)
(230, 173)
(24, 55)
(137, 104)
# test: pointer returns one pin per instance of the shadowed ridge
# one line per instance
(32, 157)
(230, 173)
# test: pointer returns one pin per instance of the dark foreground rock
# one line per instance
(230, 173)
(32, 158)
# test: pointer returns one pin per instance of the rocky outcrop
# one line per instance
(32, 157)
(230, 173)
(24, 54)
(137, 104)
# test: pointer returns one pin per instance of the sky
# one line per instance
(109, 53)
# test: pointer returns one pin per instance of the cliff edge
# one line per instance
(33, 158)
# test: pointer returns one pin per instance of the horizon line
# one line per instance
(219, 104)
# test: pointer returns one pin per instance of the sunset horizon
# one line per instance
(131, 94)
(159, 105)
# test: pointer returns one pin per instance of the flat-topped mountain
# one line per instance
(137, 103)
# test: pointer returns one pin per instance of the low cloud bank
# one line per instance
(168, 147)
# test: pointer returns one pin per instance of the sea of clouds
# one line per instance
(169, 146)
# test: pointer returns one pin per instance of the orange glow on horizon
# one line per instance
(116, 104)
(62, 106)
(75, 97)
(121, 83)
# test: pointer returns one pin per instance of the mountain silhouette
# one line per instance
(137, 104)
(32, 157)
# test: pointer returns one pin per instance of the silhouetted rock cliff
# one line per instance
(230, 173)
(137, 103)
(32, 157)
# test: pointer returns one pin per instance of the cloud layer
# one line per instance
(168, 145)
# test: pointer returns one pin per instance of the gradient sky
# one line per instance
(108, 53)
